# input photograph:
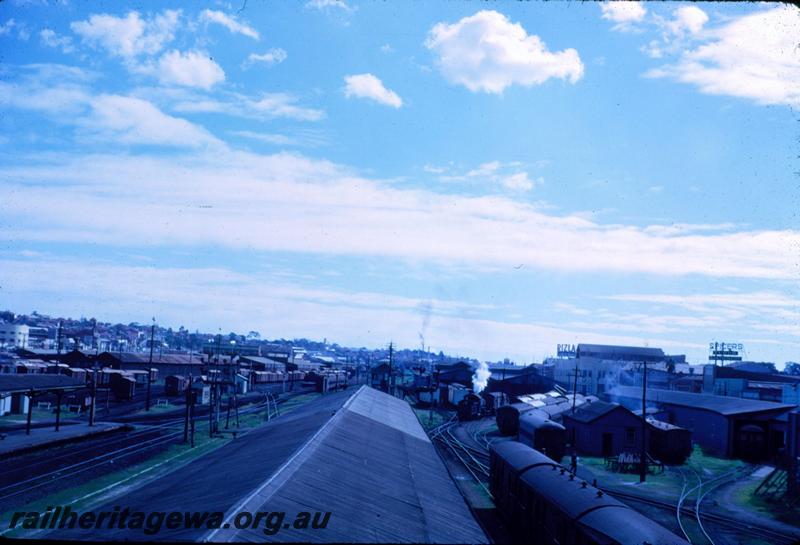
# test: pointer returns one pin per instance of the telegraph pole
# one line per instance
(150, 364)
(58, 337)
(391, 369)
(575, 386)
(574, 455)
(94, 395)
(433, 392)
(643, 454)
(186, 418)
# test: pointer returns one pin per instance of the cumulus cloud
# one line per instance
(677, 33)
(51, 39)
(128, 36)
(191, 69)
(623, 13)
(752, 57)
(275, 55)
(487, 52)
(688, 19)
(370, 87)
(220, 18)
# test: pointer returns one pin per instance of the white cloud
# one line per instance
(220, 18)
(134, 121)
(764, 301)
(59, 92)
(486, 169)
(323, 5)
(507, 175)
(623, 13)
(283, 105)
(54, 89)
(114, 292)
(6, 27)
(688, 19)
(191, 69)
(487, 52)
(51, 39)
(277, 139)
(61, 100)
(273, 56)
(131, 35)
(370, 87)
(520, 181)
(727, 312)
(266, 106)
(752, 57)
(318, 207)
(432, 169)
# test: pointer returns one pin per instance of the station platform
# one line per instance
(17, 442)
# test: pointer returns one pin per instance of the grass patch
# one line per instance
(424, 417)
(709, 465)
(667, 483)
(294, 402)
(775, 509)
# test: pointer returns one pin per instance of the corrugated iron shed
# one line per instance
(24, 382)
(592, 411)
(719, 404)
(375, 470)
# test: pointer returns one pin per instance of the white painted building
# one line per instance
(13, 335)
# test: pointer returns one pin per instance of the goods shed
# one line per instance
(725, 426)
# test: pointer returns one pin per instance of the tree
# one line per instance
(792, 368)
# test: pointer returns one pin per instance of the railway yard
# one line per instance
(301, 440)
(695, 509)
(79, 472)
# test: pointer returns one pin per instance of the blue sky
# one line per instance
(492, 178)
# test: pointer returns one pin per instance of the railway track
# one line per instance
(686, 508)
(50, 477)
(476, 462)
(51, 473)
(480, 438)
(682, 510)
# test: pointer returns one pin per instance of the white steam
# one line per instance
(480, 378)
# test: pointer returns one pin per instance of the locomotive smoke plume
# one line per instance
(480, 378)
